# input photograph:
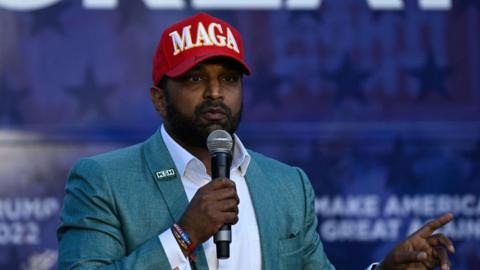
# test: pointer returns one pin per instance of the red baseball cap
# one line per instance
(193, 40)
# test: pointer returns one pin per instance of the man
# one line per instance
(154, 206)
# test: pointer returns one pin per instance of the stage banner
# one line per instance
(377, 100)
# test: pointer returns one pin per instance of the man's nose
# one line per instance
(214, 89)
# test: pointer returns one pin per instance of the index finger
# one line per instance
(432, 226)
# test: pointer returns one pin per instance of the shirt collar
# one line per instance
(181, 157)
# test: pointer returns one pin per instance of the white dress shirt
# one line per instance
(245, 250)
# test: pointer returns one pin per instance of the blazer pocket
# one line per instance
(290, 245)
(290, 253)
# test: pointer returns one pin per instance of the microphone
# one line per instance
(219, 144)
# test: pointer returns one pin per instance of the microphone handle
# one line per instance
(221, 168)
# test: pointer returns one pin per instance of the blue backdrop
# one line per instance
(378, 101)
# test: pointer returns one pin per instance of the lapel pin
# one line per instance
(165, 174)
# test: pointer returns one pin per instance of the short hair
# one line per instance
(163, 82)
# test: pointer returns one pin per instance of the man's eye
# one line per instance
(195, 78)
(230, 78)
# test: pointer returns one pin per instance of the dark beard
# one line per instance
(190, 131)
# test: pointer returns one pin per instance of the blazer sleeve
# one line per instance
(90, 235)
(314, 256)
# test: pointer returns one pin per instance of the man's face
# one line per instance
(205, 98)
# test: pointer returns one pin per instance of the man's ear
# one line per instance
(159, 100)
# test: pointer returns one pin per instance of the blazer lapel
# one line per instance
(265, 212)
(169, 183)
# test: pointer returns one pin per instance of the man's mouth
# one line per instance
(214, 114)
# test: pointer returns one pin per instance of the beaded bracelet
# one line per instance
(180, 241)
(183, 239)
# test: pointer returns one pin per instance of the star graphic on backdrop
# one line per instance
(463, 5)
(298, 15)
(49, 17)
(474, 159)
(400, 165)
(348, 82)
(432, 78)
(45, 180)
(91, 96)
(132, 12)
(10, 102)
(265, 86)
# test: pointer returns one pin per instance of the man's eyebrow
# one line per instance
(189, 72)
(230, 68)
(196, 68)
(233, 70)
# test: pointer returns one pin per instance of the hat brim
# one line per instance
(193, 61)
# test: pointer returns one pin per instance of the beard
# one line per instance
(192, 131)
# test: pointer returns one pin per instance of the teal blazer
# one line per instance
(116, 204)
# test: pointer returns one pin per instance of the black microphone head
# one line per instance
(219, 141)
